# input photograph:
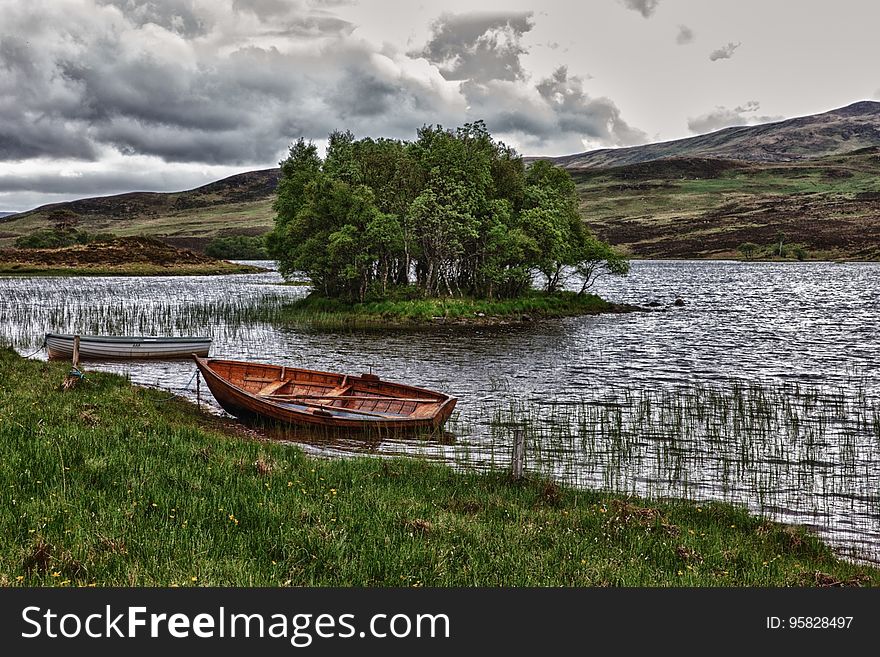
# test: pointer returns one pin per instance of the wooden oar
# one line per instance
(328, 409)
(334, 397)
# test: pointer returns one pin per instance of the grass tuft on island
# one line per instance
(124, 256)
(109, 484)
(321, 311)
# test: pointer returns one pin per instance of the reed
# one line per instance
(112, 306)
(24, 268)
(793, 453)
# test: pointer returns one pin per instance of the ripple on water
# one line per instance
(617, 398)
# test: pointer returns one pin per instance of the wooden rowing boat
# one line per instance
(322, 399)
(109, 347)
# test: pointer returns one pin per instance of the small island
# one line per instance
(318, 310)
(450, 227)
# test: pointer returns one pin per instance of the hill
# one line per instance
(137, 256)
(813, 181)
(237, 205)
(804, 138)
(692, 208)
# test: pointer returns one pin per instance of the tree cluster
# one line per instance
(240, 247)
(452, 213)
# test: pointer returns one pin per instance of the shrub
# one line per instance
(56, 239)
(241, 247)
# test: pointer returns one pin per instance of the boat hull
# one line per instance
(242, 399)
(60, 346)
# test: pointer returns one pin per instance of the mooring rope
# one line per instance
(186, 387)
(39, 349)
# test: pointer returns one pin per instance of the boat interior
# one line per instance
(365, 394)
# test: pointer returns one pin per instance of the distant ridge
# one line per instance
(839, 131)
(237, 205)
(814, 180)
(239, 188)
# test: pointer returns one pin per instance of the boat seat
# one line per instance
(338, 392)
(272, 387)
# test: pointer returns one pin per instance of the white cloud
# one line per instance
(724, 117)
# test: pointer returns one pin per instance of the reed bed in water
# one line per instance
(28, 311)
(798, 454)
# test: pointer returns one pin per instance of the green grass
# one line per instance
(109, 484)
(317, 310)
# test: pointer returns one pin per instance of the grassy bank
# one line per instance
(109, 484)
(321, 311)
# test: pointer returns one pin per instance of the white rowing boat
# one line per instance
(109, 347)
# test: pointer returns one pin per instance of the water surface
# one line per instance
(760, 389)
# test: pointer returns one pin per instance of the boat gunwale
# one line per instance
(123, 339)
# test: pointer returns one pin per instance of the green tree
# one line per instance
(300, 169)
(340, 162)
(454, 209)
(242, 247)
(748, 249)
(550, 217)
(780, 238)
(596, 258)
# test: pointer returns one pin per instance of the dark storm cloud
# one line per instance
(685, 35)
(38, 112)
(597, 118)
(724, 117)
(484, 52)
(233, 82)
(479, 47)
(645, 7)
(724, 52)
(92, 183)
(360, 94)
(129, 75)
(22, 138)
(556, 113)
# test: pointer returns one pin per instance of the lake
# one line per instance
(759, 390)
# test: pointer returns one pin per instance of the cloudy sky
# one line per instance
(104, 96)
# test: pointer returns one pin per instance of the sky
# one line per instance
(106, 96)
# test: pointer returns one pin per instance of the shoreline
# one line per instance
(129, 484)
(323, 312)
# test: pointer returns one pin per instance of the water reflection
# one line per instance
(633, 402)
